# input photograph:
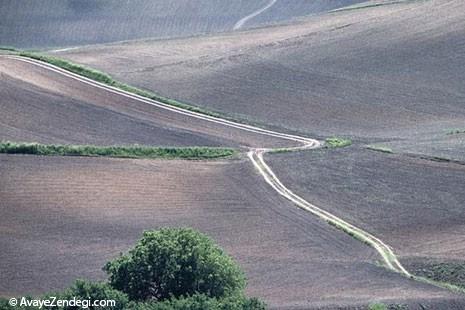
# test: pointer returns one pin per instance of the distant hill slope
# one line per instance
(62, 23)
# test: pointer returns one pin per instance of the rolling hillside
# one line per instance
(40, 105)
(86, 211)
(61, 23)
(384, 72)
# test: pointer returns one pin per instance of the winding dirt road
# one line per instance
(256, 155)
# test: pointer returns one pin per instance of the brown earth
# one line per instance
(52, 23)
(38, 105)
(391, 71)
(62, 218)
(414, 205)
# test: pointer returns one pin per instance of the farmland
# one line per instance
(329, 143)
(89, 115)
(85, 211)
(82, 22)
(404, 84)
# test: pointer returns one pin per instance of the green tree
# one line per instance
(202, 302)
(172, 263)
(91, 291)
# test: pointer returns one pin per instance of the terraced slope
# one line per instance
(392, 71)
(85, 211)
(29, 24)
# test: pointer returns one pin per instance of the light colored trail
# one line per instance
(256, 156)
(241, 22)
(389, 258)
(63, 49)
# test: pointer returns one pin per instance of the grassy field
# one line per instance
(115, 151)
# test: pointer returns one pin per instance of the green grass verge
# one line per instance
(116, 151)
(377, 306)
(350, 232)
(371, 5)
(337, 142)
(456, 132)
(106, 79)
(8, 48)
(379, 148)
(381, 306)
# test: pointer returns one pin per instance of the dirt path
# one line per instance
(389, 258)
(242, 21)
(256, 156)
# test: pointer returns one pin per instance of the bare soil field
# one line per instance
(445, 146)
(414, 205)
(38, 105)
(392, 71)
(62, 218)
(60, 23)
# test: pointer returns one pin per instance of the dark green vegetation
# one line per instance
(8, 48)
(456, 132)
(169, 269)
(381, 306)
(337, 142)
(379, 148)
(445, 272)
(115, 151)
(371, 5)
(173, 263)
(106, 79)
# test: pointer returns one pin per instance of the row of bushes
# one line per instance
(168, 269)
(115, 151)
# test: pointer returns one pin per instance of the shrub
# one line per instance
(173, 263)
(202, 302)
(134, 151)
(90, 291)
(377, 306)
(338, 142)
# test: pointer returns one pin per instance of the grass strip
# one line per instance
(8, 48)
(136, 151)
(106, 79)
(337, 142)
(378, 148)
(371, 5)
(456, 132)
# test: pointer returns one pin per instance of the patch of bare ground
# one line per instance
(39, 105)
(61, 218)
(392, 71)
(413, 204)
